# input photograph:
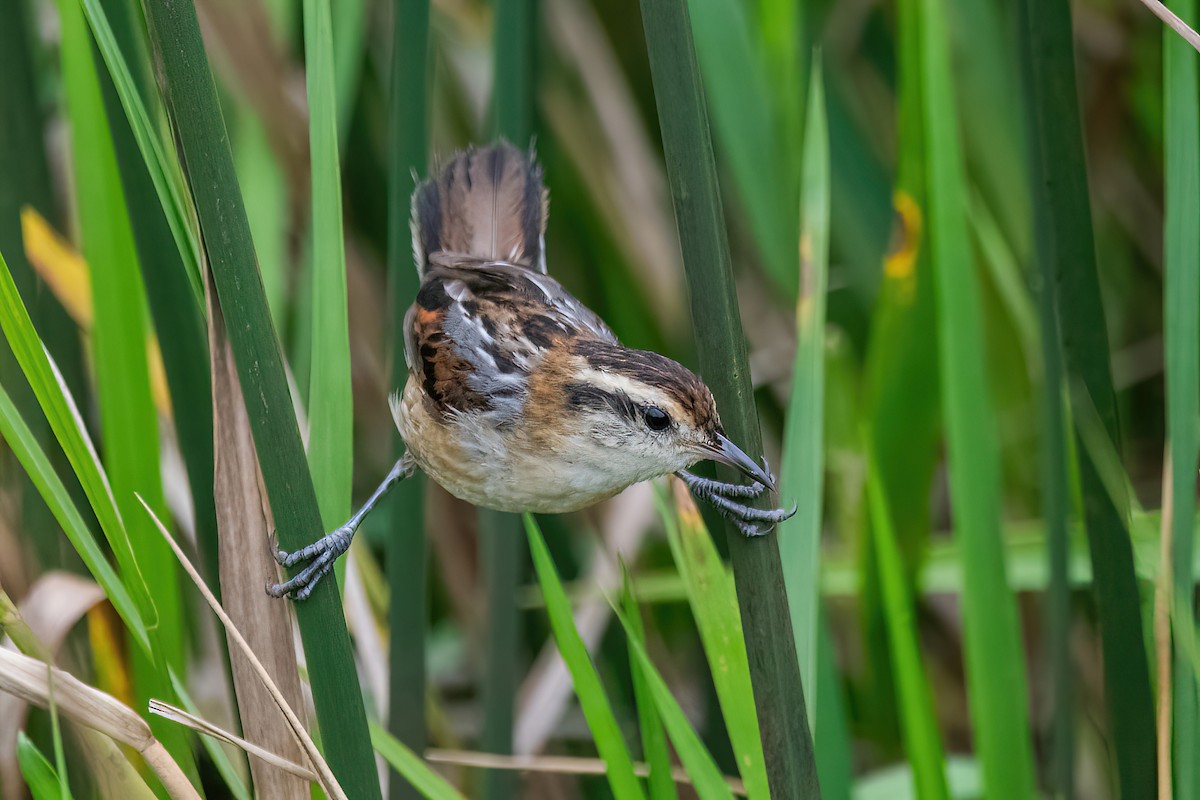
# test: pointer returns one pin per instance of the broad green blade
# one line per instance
(987, 91)
(330, 404)
(994, 662)
(834, 756)
(128, 420)
(714, 603)
(724, 365)
(739, 96)
(1181, 300)
(802, 477)
(592, 698)
(263, 184)
(178, 318)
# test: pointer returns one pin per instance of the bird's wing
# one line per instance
(478, 330)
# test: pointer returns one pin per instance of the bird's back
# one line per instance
(485, 323)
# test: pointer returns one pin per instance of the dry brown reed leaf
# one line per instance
(325, 776)
(109, 769)
(558, 765)
(52, 607)
(1164, 591)
(56, 602)
(188, 720)
(245, 563)
(1173, 22)
(30, 679)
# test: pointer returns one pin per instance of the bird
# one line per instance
(518, 397)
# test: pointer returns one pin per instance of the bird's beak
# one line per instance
(729, 453)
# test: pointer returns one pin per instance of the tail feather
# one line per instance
(487, 203)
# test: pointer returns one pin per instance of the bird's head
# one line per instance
(636, 415)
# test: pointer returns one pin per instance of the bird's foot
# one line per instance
(317, 558)
(749, 520)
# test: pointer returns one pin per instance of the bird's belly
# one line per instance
(494, 469)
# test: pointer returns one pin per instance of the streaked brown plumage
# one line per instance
(518, 397)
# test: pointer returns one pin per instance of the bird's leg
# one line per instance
(749, 520)
(319, 556)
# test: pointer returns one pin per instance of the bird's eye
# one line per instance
(656, 419)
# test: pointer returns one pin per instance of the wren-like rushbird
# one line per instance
(518, 397)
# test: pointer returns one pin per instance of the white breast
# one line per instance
(505, 470)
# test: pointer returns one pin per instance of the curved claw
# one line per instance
(703, 487)
(320, 556)
(749, 520)
(749, 529)
(748, 513)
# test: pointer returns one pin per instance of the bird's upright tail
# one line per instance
(488, 204)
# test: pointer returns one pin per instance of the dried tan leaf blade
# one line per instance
(188, 720)
(326, 779)
(29, 679)
(244, 558)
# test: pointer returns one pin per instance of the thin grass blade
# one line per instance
(16, 434)
(25, 183)
(701, 769)
(40, 776)
(328, 782)
(409, 765)
(179, 358)
(917, 714)
(67, 426)
(660, 783)
(592, 698)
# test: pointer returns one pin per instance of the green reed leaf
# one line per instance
(588, 688)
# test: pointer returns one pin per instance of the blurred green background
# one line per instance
(983, 396)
